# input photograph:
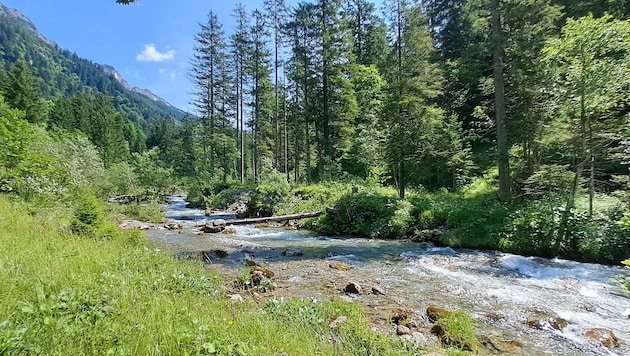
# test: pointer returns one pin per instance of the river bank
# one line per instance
(504, 293)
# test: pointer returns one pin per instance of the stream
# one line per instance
(501, 291)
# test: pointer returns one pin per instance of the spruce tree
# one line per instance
(207, 74)
(21, 92)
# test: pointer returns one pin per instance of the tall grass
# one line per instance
(69, 294)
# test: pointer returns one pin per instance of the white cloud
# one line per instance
(150, 54)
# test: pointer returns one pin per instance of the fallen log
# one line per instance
(274, 218)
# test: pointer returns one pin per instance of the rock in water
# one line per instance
(603, 336)
(292, 252)
(173, 226)
(543, 321)
(214, 226)
(378, 291)
(353, 288)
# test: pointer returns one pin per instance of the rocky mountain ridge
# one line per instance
(62, 73)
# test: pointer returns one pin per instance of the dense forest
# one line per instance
(504, 120)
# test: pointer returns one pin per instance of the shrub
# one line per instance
(624, 280)
(370, 214)
(88, 217)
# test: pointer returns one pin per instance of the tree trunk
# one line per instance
(499, 98)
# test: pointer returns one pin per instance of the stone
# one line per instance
(542, 321)
(213, 226)
(173, 226)
(266, 272)
(402, 330)
(340, 320)
(378, 291)
(501, 344)
(292, 252)
(229, 230)
(603, 336)
(144, 227)
(353, 288)
(435, 313)
(236, 297)
(401, 316)
(339, 266)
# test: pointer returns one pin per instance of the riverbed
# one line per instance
(501, 291)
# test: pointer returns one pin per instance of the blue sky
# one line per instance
(150, 43)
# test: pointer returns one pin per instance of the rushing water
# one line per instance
(500, 290)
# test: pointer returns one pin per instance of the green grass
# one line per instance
(456, 329)
(65, 294)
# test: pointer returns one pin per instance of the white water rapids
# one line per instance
(500, 290)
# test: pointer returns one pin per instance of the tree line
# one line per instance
(419, 93)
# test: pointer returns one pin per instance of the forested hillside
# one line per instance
(61, 73)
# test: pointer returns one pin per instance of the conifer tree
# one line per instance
(209, 64)
(261, 92)
(240, 46)
(409, 114)
(21, 92)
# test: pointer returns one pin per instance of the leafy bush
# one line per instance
(370, 214)
(624, 280)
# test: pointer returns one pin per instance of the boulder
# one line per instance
(173, 226)
(435, 313)
(603, 336)
(544, 321)
(402, 330)
(353, 288)
(401, 316)
(213, 226)
(501, 344)
(266, 272)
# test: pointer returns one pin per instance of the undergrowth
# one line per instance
(472, 217)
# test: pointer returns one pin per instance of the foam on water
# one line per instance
(540, 268)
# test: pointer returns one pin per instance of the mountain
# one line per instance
(60, 72)
(146, 92)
